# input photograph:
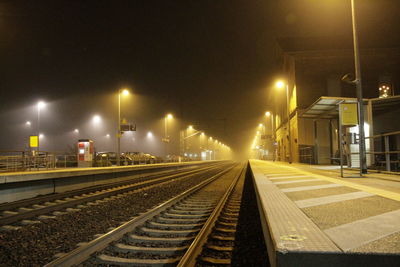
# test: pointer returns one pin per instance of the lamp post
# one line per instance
(270, 115)
(125, 92)
(40, 105)
(279, 85)
(166, 137)
(357, 81)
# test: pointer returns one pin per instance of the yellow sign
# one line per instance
(34, 141)
(349, 114)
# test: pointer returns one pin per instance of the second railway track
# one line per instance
(31, 211)
(171, 233)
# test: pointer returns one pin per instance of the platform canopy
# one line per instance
(326, 107)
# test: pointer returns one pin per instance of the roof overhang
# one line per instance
(327, 107)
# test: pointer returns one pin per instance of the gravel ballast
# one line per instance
(36, 245)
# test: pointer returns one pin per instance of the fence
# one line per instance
(25, 162)
(386, 151)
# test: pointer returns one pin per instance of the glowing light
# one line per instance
(76, 131)
(125, 92)
(96, 119)
(202, 134)
(169, 116)
(260, 125)
(267, 113)
(190, 127)
(41, 135)
(280, 84)
(149, 135)
(28, 123)
(41, 105)
(108, 135)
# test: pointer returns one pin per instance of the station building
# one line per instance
(313, 68)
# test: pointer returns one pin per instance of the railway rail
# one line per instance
(15, 215)
(172, 233)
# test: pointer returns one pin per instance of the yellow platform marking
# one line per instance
(365, 188)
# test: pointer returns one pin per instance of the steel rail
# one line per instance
(194, 250)
(83, 252)
(101, 195)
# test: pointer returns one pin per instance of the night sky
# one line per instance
(207, 62)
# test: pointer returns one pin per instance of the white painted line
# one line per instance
(297, 181)
(355, 234)
(289, 177)
(280, 174)
(311, 187)
(331, 199)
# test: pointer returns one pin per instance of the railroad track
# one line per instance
(15, 215)
(171, 234)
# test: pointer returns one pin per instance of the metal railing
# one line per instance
(25, 162)
(386, 151)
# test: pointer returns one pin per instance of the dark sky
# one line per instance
(202, 60)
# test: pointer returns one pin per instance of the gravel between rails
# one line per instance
(35, 245)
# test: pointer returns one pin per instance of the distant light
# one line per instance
(169, 116)
(267, 113)
(41, 135)
(41, 105)
(125, 92)
(190, 127)
(108, 135)
(96, 119)
(260, 125)
(76, 131)
(210, 138)
(280, 84)
(28, 123)
(258, 132)
(202, 134)
(149, 135)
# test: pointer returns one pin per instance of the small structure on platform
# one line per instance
(85, 153)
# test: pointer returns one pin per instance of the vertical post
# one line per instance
(288, 121)
(38, 127)
(371, 131)
(165, 135)
(387, 154)
(119, 130)
(340, 142)
(363, 165)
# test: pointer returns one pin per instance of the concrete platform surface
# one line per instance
(312, 217)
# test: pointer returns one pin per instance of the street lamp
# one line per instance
(357, 81)
(40, 105)
(124, 92)
(166, 137)
(281, 85)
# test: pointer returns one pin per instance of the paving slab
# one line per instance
(345, 222)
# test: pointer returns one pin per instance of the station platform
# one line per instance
(312, 217)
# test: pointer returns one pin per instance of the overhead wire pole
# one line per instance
(363, 159)
(119, 130)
